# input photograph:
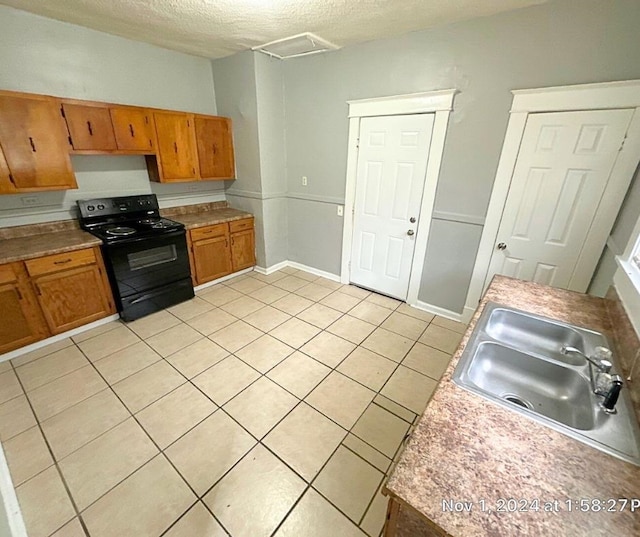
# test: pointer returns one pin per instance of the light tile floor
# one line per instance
(267, 405)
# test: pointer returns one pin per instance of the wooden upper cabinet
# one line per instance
(134, 129)
(176, 150)
(35, 143)
(215, 147)
(6, 186)
(90, 127)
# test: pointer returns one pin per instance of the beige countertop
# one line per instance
(468, 449)
(27, 242)
(208, 218)
(55, 242)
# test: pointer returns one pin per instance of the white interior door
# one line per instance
(562, 171)
(392, 163)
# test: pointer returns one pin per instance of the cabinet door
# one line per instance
(133, 128)
(243, 250)
(90, 127)
(176, 146)
(72, 298)
(215, 147)
(35, 144)
(6, 184)
(21, 320)
(211, 259)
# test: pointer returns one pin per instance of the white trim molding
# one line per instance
(9, 501)
(410, 103)
(315, 271)
(463, 317)
(601, 96)
(59, 337)
(438, 102)
(222, 279)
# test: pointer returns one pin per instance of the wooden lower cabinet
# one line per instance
(22, 321)
(243, 248)
(72, 297)
(50, 295)
(221, 249)
(211, 259)
(72, 288)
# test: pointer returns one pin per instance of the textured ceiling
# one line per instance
(217, 28)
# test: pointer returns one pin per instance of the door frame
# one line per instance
(439, 102)
(583, 97)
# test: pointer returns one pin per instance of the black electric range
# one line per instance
(146, 255)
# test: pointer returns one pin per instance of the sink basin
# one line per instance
(513, 359)
(557, 392)
(536, 336)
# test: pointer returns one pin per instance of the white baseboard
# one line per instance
(299, 266)
(9, 501)
(315, 271)
(223, 279)
(53, 339)
(463, 317)
(272, 268)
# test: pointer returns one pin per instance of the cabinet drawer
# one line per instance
(241, 225)
(6, 274)
(54, 263)
(218, 230)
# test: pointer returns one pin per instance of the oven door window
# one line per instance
(152, 257)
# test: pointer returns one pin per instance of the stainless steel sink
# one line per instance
(537, 336)
(513, 359)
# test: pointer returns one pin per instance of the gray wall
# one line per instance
(41, 55)
(564, 42)
(249, 89)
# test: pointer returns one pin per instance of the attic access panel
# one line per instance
(296, 45)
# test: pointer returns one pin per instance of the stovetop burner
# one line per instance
(125, 218)
(120, 231)
(156, 223)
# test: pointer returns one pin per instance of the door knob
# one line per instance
(412, 219)
(502, 246)
(410, 232)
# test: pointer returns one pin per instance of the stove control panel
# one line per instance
(97, 208)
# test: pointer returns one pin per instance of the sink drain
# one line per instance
(516, 400)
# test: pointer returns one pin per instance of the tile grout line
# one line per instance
(57, 466)
(160, 451)
(259, 441)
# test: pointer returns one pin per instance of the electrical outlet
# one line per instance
(29, 201)
(340, 210)
(304, 180)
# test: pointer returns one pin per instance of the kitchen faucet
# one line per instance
(603, 382)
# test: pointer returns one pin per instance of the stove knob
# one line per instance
(100, 207)
(90, 208)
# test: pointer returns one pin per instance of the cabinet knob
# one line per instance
(133, 133)
(89, 128)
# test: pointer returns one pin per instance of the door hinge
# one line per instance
(622, 143)
(62, 112)
(19, 294)
(357, 143)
